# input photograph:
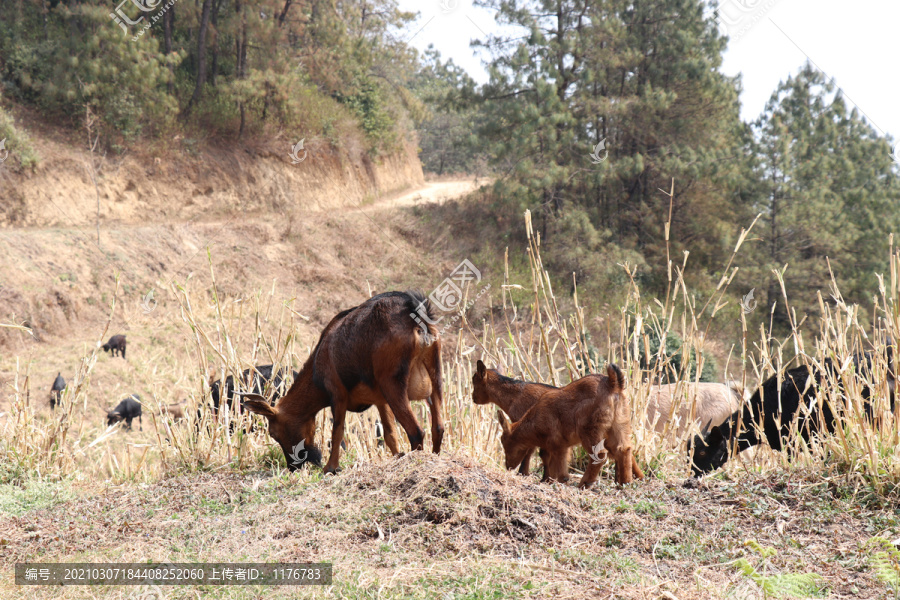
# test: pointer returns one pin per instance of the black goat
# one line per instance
(127, 410)
(115, 343)
(775, 405)
(59, 384)
(256, 381)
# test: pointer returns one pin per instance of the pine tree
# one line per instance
(829, 192)
(636, 80)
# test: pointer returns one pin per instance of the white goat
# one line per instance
(673, 407)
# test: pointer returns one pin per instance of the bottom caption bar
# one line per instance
(173, 573)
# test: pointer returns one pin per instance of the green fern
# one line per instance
(787, 585)
(885, 561)
(763, 551)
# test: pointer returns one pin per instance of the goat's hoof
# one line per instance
(334, 471)
(400, 454)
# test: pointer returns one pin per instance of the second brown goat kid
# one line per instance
(593, 412)
(513, 396)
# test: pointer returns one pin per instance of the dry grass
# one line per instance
(426, 526)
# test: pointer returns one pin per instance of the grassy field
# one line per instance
(423, 526)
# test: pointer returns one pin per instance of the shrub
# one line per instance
(672, 362)
(16, 142)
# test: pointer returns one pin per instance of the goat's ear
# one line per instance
(718, 433)
(504, 424)
(616, 378)
(261, 407)
(480, 369)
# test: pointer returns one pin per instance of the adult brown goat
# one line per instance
(372, 354)
(591, 411)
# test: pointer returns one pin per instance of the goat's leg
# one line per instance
(618, 443)
(394, 391)
(437, 396)
(547, 461)
(557, 466)
(563, 466)
(625, 465)
(340, 398)
(592, 472)
(635, 468)
(389, 429)
(525, 467)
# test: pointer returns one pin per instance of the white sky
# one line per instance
(853, 42)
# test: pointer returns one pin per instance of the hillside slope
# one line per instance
(60, 283)
(184, 180)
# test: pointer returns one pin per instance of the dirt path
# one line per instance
(431, 192)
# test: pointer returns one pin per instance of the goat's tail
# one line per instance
(616, 378)
(422, 313)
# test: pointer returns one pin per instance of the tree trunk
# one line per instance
(242, 65)
(214, 19)
(287, 7)
(168, 29)
(201, 55)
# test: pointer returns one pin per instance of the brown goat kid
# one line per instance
(372, 354)
(593, 412)
(514, 397)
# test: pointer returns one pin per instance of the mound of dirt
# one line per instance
(478, 508)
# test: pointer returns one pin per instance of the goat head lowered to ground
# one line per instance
(592, 411)
(374, 354)
(788, 403)
(513, 396)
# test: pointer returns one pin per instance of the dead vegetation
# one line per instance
(426, 526)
